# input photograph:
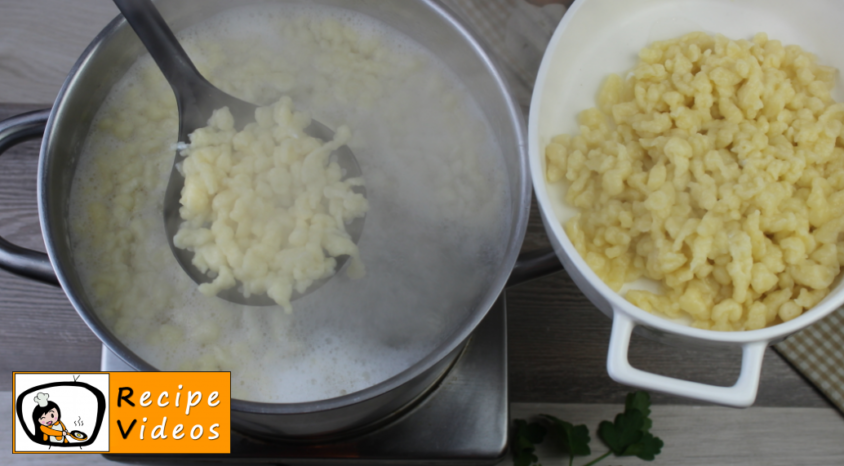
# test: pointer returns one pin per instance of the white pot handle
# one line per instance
(740, 395)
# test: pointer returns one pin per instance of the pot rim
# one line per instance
(829, 304)
(520, 198)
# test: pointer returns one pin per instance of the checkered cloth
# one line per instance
(516, 34)
(818, 352)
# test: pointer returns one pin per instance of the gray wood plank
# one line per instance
(40, 41)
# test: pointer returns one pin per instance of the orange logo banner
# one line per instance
(122, 412)
(170, 412)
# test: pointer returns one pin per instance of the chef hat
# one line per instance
(41, 399)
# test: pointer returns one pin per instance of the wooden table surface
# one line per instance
(557, 339)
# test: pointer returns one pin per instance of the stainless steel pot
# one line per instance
(104, 62)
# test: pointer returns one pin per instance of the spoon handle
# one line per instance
(161, 43)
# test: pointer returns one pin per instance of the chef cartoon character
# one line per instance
(47, 415)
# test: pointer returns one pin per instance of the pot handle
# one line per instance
(21, 261)
(740, 395)
(534, 264)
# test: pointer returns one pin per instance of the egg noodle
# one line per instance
(716, 167)
(265, 206)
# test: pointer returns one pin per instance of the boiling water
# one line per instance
(433, 238)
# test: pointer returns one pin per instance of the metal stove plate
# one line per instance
(463, 421)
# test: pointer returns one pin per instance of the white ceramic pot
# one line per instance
(600, 37)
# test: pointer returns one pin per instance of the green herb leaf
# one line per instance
(535, 432)
(525, 458)
(525, 437)
(640, 400)
(626, 431)
(629, 435)
(569, 438)
(646, 448)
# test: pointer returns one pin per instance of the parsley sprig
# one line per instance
(525, 436)
(628, 435)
